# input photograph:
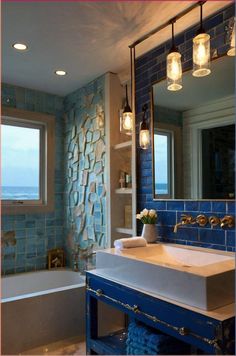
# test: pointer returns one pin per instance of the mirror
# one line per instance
(194, 136)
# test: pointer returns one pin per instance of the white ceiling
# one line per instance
(87, 39)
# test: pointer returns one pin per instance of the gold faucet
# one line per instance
(227, 220)
(201, 220)
(185, 220)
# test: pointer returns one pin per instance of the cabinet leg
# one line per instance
(91, 322)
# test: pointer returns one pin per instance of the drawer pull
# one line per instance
(183, 331)
(99, 292)
(135, 309)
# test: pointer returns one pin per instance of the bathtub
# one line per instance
(42, 307)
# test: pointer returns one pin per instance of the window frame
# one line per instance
(46, 124)
(169, 134)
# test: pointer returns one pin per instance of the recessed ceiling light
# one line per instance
(60, 72)
(20, 46)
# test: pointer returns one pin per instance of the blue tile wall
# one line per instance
(85, 194)
(35, 233)
(151, 67)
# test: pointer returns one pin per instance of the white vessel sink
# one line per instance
(198, 277)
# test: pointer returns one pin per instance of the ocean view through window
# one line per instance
(20, 156)
(28, 161)
(162, 167)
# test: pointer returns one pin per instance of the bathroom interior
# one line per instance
(118, 178)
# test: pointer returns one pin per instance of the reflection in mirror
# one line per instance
(194, 136)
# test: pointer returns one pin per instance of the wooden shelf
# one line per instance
(123, 145)
(124, 230)
(124, 191)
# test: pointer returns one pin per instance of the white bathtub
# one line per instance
(41, 307)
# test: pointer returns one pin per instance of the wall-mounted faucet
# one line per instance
(185, 220)
(201, 220)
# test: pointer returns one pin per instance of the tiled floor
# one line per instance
(73, 346)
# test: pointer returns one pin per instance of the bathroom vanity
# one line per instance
(209, 329)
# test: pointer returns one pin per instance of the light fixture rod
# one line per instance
(166, 24)
(173, 34)
(201, 14)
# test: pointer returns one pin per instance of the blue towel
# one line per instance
(142, 340)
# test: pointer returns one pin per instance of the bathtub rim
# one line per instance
(43, 292)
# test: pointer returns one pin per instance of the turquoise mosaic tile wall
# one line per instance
(85, 192)
(35, 233)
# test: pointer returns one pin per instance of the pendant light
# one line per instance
(126, 117)
(231, 51)
(173, 66)
(144, 134)
(201, 51)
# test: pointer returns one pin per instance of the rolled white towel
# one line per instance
(130, 242)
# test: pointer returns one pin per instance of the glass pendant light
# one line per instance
(144, 134)
(126, 117)
(173, 66)
(201, 51)
(231, 51)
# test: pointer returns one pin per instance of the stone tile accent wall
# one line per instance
(26, 238)
(85, 193)
(150, 68)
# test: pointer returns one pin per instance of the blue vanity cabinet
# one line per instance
(211, 335)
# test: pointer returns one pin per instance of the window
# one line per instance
(163, 164)
(27, 141)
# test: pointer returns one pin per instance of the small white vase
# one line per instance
(149, 232)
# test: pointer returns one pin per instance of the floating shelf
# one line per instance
(124, 230)
(123, 145)
(124, 191)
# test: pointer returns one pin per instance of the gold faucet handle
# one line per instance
(186, 219)
(201, 220)
(214, 221)
(227, 220)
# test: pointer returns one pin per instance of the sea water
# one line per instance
(19, 193)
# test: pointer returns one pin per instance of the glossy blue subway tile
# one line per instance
(166, 218)
(160, 205)
(187, 233)
(219, 206)
(231, 207)
(205, 206)
(229, 12)
(175, 205)
(216, 237)
(213, 21)
(191, 205)
(230, 238)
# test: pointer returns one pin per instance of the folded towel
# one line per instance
(143, 340)
(130, 242)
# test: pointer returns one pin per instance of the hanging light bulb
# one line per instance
(144, 134)
(126, 117)
(231, 51)
(201, 51)
(173, 66)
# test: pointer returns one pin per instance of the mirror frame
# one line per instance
(152, 144)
